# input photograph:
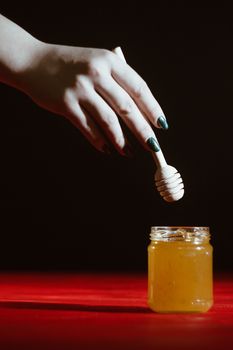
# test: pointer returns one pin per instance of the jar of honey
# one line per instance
(180, 277)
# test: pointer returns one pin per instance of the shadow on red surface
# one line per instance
(77, 307)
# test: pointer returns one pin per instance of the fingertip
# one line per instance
(162, 123)
(153, 144)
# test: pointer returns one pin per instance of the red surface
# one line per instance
(84, 311)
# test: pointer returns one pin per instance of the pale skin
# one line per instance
(93, 88)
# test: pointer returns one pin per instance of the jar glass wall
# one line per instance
(180, 269)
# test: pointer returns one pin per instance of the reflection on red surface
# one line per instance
(98, 311)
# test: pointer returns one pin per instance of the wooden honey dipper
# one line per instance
(168, 180)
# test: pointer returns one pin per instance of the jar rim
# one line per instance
(194, 234)
(181, 227)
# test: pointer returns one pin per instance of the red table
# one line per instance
(104, 311)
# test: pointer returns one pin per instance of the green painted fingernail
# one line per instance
(162, 122)
(153, 144)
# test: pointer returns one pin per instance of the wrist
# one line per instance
(35, 50)
(18, 50)
(19, 59)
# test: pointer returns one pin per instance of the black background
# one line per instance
(65, 206)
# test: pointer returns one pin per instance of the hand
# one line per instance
(95, 90)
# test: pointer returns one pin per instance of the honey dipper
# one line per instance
(167, 179)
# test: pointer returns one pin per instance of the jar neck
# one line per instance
(191, 234)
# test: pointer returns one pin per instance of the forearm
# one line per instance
(18, 49)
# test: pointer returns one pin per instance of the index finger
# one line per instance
(137, 88)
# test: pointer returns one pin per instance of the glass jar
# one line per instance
(180, 277)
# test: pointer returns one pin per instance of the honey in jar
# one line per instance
(180, 269)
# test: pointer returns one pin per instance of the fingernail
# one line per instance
(153, 144)
(106, 149)
(162, 122)
(127, 151)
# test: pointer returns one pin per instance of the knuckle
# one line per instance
(67, 96)
(98, 64)
(82, 87)
(106, 54)
(80, 82)
(94, 69)
(126, 108)
(139, 90)
(108, 122)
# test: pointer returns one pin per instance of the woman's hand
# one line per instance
(94, 88)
